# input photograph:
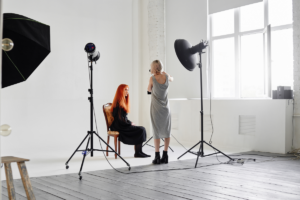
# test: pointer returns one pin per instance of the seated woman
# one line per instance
(129, 133)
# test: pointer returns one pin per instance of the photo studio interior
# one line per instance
(220, 118)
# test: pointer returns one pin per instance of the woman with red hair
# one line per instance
(129, 133)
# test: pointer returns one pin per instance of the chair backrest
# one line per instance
(108, 115)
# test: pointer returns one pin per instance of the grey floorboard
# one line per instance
(163, 186)
(272, 176)
(39, 194)
(5, 195)
(126, 189)
(68, 196)
(221, 192)
(62, 188)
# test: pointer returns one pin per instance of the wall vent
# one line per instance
(247, 124)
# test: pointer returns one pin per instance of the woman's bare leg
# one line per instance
(156, 144)
(167, 142)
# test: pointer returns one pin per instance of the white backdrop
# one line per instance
(50, 111)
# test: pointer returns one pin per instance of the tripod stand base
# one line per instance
(86, 151)
(200, 153)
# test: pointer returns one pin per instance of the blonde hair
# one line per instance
(158, 67)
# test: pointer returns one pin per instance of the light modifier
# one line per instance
(187, 53)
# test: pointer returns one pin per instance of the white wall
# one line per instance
(185, 19)
(50, 111)
(272, 124)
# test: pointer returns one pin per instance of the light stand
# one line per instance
(185, 55)
(91, 133)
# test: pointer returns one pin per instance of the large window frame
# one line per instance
(237, 46)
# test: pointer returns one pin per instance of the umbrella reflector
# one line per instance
(31, 46)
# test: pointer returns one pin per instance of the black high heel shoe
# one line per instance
(165, 158)
(156, 160)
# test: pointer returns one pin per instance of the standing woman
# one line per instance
(129, 133)
(160, 109)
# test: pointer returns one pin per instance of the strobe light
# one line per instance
(90, 49)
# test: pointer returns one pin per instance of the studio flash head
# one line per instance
(90, 49)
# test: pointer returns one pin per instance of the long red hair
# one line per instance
(120, 99)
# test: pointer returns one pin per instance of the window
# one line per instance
(221, 28)
(223, 52)
(251, 53)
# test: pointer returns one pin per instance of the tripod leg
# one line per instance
(76, 151)
(171, 149)
(84, 155)
(113, 150)
(188, 150)
(199, 153)
(147, 141)
(218, 150)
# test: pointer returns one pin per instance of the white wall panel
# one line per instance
(272, 120)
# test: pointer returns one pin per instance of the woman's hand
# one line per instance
(132, 124)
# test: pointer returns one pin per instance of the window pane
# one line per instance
(252, 66)
(280, 12)
(223, 23)
(252, 17)
(224, 68)
(282, 58)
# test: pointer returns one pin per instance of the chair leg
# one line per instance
(119, 148)
(116, 146)
(107, 146)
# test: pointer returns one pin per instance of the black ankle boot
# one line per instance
(156, 160)
(145, 154)
(138, 152)
(139, 155)
(165, 158)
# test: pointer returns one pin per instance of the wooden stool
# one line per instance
(24, 175)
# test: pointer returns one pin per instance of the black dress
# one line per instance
(129, 134)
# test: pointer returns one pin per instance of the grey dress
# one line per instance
(160, 109)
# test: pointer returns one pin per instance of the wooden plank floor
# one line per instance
(272, 176)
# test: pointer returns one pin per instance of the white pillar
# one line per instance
(156, 30)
